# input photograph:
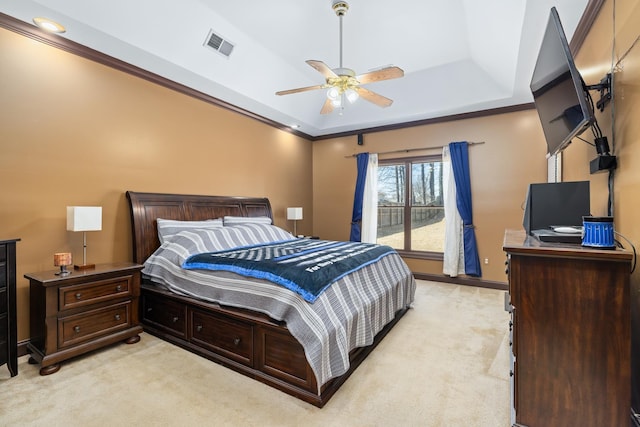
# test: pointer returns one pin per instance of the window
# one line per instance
(411, 205)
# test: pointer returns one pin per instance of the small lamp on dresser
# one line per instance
(62, 260)
(294, 214)
(84, 218)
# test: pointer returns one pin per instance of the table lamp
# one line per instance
(294, 214)
(84, 218)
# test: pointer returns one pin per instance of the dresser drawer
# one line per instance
(3, 300)
(93, 323)
(233, 339)
(94, 292)
(3, 272)
(4, 335)
(4, 350)
(169, 316)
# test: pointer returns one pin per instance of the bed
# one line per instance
(251, 325)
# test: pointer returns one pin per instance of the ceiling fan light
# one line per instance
(336, 102)
(333, 93)
(352, 95)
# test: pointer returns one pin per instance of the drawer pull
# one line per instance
(78, 295)
(175, 319)
(76, 329)
(117, 317)
(118, 288)
(199, 328)
(236, 341)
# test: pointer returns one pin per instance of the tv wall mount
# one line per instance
(605, 161)
(604, 87)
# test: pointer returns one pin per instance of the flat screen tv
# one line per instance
(559, 93)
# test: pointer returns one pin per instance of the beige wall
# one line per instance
(612, 48)
(512, 156)
(73, 132)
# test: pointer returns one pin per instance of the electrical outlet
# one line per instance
(486, 261)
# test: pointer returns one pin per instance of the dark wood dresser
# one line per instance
(8, 327)
(571, 335)
(83, 311)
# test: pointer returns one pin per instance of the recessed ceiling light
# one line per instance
(49, 25)
(295, 126)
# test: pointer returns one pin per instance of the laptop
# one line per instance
(553, 236)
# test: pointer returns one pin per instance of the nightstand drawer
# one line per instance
(168, 316)
(223, 335)
(94, 323)
(94, 292)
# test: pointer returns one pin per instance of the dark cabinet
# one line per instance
(571, 352)
(8, 328)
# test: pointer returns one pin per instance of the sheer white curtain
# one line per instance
(369, 232)
(453, 243)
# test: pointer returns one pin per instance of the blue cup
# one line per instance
(597, 232)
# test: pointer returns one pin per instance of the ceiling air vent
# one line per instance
(219, 44)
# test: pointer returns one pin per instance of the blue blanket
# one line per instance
(304, 266)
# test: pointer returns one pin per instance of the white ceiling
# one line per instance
(458, 56)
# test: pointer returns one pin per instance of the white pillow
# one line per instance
(168, 228)
(236, 220)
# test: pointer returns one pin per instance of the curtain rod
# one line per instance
(408, 150)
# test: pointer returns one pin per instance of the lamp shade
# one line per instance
(84, 218)
(62, 258)
(352, 95)
(294, 213)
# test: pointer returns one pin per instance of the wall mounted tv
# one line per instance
(559, 93)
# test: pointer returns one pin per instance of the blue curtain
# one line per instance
(459, 152)
(356, 216)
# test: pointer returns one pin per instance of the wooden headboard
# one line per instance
(147, 207)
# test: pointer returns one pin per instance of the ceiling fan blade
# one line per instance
(300, 89)
(373, 97)
(327, 107)
(379, 75)
(322, 68)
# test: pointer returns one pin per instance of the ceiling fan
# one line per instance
(343, 83)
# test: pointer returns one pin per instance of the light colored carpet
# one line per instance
(445, 364)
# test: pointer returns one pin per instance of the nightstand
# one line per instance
(82, 311)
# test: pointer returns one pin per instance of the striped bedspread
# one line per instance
(347, 315)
